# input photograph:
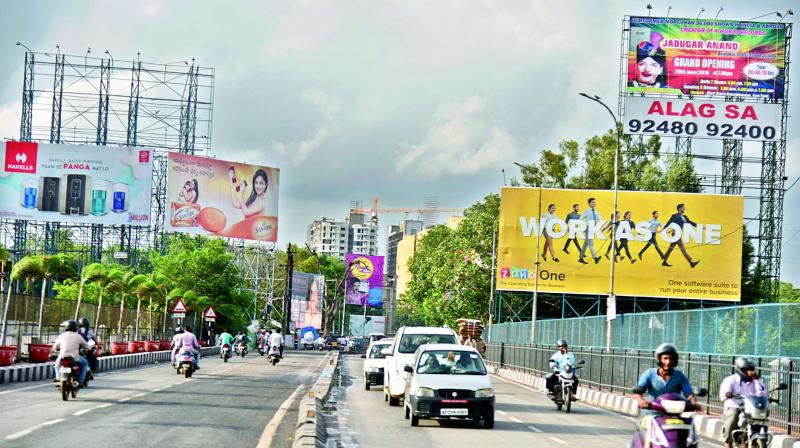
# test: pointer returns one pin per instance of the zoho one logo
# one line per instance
(512, 272)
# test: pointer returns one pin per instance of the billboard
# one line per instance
(76, 183)
(677, 245)
(702, 57)
(364, 280)
(307, 294)
(216, 197)
(702, 118)
(374, 324)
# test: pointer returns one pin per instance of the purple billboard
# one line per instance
(364, 280)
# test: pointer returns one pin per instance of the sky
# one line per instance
(395, 99)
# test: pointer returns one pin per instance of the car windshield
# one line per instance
(410, 342)
(451, 362)
(375, 352)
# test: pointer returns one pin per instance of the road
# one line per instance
(223, 404)
(524, 417)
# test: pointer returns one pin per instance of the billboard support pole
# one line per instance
(491, 278)
(535, 304)
(611, 295)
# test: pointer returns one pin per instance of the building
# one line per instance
(406, 248)
(407, 227)
(357, 234)
(328, 237)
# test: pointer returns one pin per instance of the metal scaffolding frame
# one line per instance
(766, 190)
(257, 262)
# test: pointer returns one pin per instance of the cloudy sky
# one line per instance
(401, 100)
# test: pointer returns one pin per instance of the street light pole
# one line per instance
(612, 295)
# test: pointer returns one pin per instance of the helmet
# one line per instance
(70, 325)
(84, 322)
(240, 332)
(744, 362)
(178, 330)
(666, 349)
(561, 342)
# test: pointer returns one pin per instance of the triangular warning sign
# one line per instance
(210, 313)
(179, 307)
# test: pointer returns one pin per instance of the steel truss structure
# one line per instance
(764, 193)
(258, 261)
(70, 99)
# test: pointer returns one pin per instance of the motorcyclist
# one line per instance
(241, 338)
(188, 343)
(226, 338)
(175, 345)
(85, 331)
(276, 340)
(745, 381)
(665, 378)
(69, 343)
(559, 359)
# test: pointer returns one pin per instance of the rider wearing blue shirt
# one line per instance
(559, 359)
(664, 379)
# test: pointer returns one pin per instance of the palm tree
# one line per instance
(143, 287)
(53, 267)
(89, 274)
(118, 283)
(163, 287)
(101, 279)
(27, 267)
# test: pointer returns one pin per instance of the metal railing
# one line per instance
(618, 370)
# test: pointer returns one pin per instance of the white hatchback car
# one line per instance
(401, 353)
(449, 381)
(373, 363)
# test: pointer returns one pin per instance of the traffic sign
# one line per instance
(178, 315)
(210, 313)
(210, 319)
(179, 307)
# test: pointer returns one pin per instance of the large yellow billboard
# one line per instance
(677, 245)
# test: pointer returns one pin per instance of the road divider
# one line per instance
(707, 426)
(21, 373)
(310, 423)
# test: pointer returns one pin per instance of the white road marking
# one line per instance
(104, 405)
(25, 432)
(272, 427)
(19, 434)
(501, 413)
(556, 439)
(514, 419)
(534, 429)
(139, 395)
(25, 388)
(85, 411)
(123, 400)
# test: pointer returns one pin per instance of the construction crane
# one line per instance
(419, 210)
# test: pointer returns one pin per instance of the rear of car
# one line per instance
(401, 354)
(449, 382)
(374, 363)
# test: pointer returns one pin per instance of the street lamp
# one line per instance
(611, 297)
(20, 44)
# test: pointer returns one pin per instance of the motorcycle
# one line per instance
(262, 348)
(671, 425)
(241, 349)
(274, 355)
(69, 371)
(753, 415)
(563, 389)
(225, 353)
(185, 364)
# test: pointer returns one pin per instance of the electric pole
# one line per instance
(287, 293)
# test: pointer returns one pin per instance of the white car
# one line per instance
(401, 353)
(449, 381)
(374, 362)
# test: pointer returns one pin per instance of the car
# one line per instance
(448, 381)
(401, 354)
(373, 363)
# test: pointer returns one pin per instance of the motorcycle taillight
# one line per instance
(65, 362)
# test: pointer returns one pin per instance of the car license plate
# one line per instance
(454, 411)
(66, 370)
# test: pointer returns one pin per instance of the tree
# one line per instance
(788, 293)
(53, 267)
(143, 287)
(28, 268)
(119, 284)
(88, 275)
(101, 278)
(5, 256)
(307, 260)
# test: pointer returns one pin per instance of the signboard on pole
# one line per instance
(179, 310)
(210, 315)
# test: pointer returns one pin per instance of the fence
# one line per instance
(23, 318)
(757, 330)
(618, 370)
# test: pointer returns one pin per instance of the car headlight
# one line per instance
(372, 369)
(424, 392)
(484, 393)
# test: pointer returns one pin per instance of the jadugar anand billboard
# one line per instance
(76, 183)
(364, 284)
(216, 197)
(706, 57)
(676, 245)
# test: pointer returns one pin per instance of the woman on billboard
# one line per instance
(256, 203)
(651, 64)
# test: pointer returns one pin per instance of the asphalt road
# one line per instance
(223, 404)
(524, 417)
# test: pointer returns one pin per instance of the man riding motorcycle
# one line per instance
(745, 381)
(665, 378)
(559, 359)
(188, 343)
(226, 338)
(85, 331)
(276, 340)
(241, 338)
(70, 343)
